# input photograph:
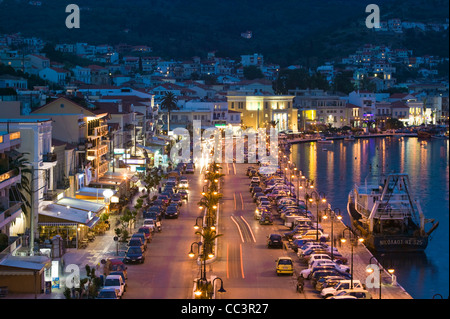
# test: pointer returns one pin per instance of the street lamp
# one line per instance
(390, 270)
(221, 290)
(197, 226)
(353, 241)
(334, 214)
(316, 197)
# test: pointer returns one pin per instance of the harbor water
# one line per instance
(337, 167)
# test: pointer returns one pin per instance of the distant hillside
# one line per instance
(286, 32)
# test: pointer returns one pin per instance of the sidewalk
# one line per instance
(103, 247)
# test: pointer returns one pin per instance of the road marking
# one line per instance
(234, 168)
(234, 196)
(239, 228)
(249, 228)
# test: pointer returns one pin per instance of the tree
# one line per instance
(252, 72)
(169, 103)
(24, 186)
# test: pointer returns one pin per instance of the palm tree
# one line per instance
(209, 236)
(24, 186)
(169, 103)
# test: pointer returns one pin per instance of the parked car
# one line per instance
(146, 231)
(141, 237)
(284, 265)
(122, 274)
(342, 285)
(172, 212)
(313, 234)
(150, 223)
(356, 293)
(315, 257)
(136, 242)
(274, 241)
(134, 254)
(108, 293)
(116, 264)
(189, 168)
(115, 282)
(266, 219)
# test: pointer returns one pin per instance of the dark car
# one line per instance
(274, 241)
(136, 242)
(172, 212)
(134, 254)
(154, 213)
(147, 232)
(323, 273)
(183, 193)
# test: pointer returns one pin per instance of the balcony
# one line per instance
(95, 152)
(49, 157)
(98, 131)
(9, 141)
(10, 177)
(9, 214)
(103, 168)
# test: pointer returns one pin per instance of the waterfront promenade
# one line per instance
(362, 257)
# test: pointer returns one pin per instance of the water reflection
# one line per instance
(427, 164)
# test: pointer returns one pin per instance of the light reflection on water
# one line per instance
(345, 163)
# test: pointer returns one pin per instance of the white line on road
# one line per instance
(239, 228)
(249, 228)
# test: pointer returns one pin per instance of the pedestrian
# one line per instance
(300, 283)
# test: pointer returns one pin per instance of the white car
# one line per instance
(184, 183)
(116, 282)
(255, 179)
(348, 293)
(344, 284)
(313, 234)
(150, 223)
(315, 257)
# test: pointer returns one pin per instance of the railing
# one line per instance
(10, 174)
(97, 151)
(103, 168)
(101, 130)
(13, 207)
(11, 248)
(49, 157)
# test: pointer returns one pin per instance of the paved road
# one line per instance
(168, 272)
(245, 264)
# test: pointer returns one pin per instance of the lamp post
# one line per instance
(353, 241)
(197, 226)
(192, 255)
(390, 270)
(317, 197)
(221, 290)
(334, 214)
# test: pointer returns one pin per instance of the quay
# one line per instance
(297, 140)
(361, 255)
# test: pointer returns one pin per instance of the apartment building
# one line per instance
(260, 111)
(12, 219)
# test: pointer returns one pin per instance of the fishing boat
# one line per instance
(387, 216)
(325, 141)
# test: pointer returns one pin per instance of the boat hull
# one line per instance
(386, 243)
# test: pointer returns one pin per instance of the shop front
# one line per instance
(75, 221)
